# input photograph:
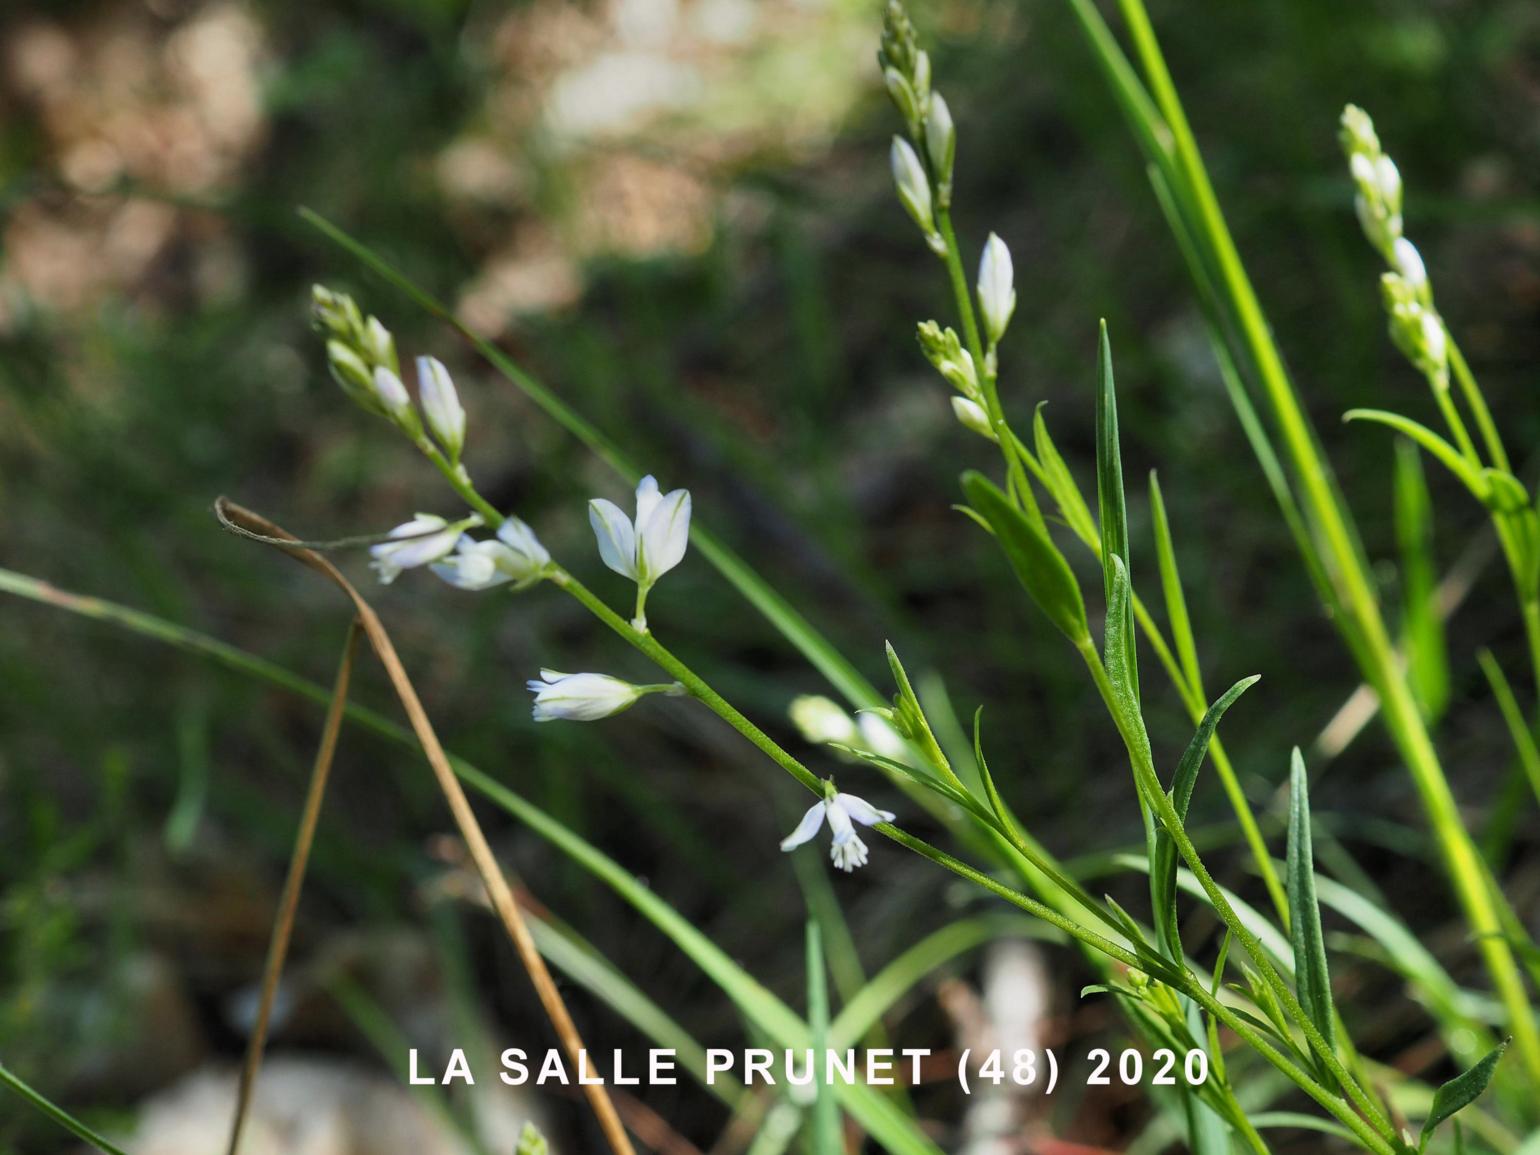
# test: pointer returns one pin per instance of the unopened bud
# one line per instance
(997, 293)
(913, 185)
(943, 349)
(941, 144)
(971, 415)
(441, 406)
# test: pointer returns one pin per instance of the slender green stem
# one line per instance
(1482, 907)
(1156, 797)
(1478, 405)
(55, 1113)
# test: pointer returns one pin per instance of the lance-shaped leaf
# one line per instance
(1311, 976)
(1171, 587)
(1037, 562)
(1112, 507)
(1460, 1092)
(1182, 783)
(1058, 480)
(1118, 654)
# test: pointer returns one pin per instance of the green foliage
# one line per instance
(1311, 974)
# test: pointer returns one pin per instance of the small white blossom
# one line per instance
(822, 720)
(378, 344)
(879, 737)
(425, 539)
(646, 548)
(997, 293)
(441, 405)
(940, 140)
(843, 811)
(587, 697)
(1408, 262)
(971, 415)
(392, 395)
(913, 185)
(516, 556)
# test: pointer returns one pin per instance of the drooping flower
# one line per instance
(997, 292)
(843, 812)
(515, 556)
(646, 548)
(587, 697)
(441, 406)
(423, 540)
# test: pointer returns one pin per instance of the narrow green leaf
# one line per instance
(1037, 562)
(1182, 784)
(1111, 504)
(1447, 454)
(56, 1114)
(1060, 483)
(1311, 976)
(1426, 654)
(824, 1121)
(1171, 586)
(912, 723)
(1459, 1093)
(1118, 652)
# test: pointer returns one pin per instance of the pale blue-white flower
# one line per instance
(970, 414)
(441, 406)
(940, 140)
(516, 555)
(587, 697)
(648, 546)
(913, 186)
(821, 720)
(1408, 262)
(425, 539)
(843, 812)
(996, 286)
(395, 401)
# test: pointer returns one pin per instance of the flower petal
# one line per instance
(616, 537)
(517, 536)
(647, 498)
(839, 820)
(441, 405)
(862, 811)
(805, 830)
(663, 538)
(848, 853)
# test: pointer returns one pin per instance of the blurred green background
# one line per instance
(677, 213)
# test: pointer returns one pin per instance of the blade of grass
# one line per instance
(288, 903)
(465, 818)
(53, 1112)
(1311, 974)
(824, 1119)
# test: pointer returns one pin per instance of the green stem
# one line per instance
(1478, 405)
(1156, 797)
(1401, 714)
(55, 1113)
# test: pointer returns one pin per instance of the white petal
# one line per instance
(616, 537)
(391, 392)
(862, 811)
(441, 404)
(581, 697)
(647, 498)
(822, 720)
(1409, 262)
(839, 819)
(663, 538)
(996, 287)
(517, 536)
(808, 827)
(476, 565)
(880, 738)
(848, 853)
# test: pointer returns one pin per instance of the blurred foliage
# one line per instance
(715, 271)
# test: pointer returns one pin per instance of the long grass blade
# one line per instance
(1311, 976)
(49, 1110)
(1422, 626)
(824, 1120)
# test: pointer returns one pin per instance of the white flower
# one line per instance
(392, 395)
(1408, 262)
(581, 697)
(378, 344)
(997, 294)
(426, 539)
(913, 185)
(441, 405)
(516, 556)
(972, 416)
(821, 720)
(842, 811)
(879, 737)
(940, 139)
(648, 547)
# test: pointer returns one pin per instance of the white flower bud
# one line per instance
(580, 697)
(997, 295)
(392, 396)
(378, 345)
(423, 540)
(913, 185)
(1435, 343)
(441, 406)
(349, 371)
(1409, 264)
(971, 415)
(821, 720)
(940, 139)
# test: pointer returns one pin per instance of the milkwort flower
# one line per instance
(423, 540)
(646, 548)
(997, 288)
(515, 555)
(588, 697)
(843, 812)
(824, 722)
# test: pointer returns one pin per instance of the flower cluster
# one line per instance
(922, 173)
(1415, 325)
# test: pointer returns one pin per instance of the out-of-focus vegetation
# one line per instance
(679, 216)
